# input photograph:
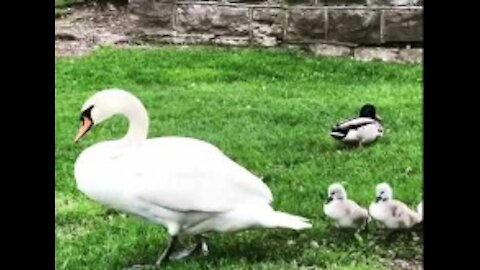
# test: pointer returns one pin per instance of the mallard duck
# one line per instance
(392, 213)
(345, 212)
(187, 185)
(363, 130)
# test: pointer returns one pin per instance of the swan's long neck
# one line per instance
(137, 122)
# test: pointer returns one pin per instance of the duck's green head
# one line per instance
(369, 110)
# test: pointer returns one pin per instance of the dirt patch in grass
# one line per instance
(399, 264)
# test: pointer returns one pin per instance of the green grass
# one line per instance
(61, 5)
(64, 3)
(269, 111)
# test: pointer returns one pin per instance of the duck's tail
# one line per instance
(338, 133)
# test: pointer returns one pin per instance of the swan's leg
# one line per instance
(164, 256)
(200, 248)
(203, 246)
(162, 260)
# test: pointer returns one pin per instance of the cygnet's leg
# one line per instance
(393, 234)
(365, 225)
(200, 249)
(336, 229)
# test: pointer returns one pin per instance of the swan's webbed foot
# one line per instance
(142, 267)
(199, 249)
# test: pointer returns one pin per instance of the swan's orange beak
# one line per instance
(85, 126)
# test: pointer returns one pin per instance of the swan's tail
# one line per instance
(284, 220)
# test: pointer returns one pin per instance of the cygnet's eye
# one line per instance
(332, 193)
(381, 192)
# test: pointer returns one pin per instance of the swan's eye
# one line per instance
(332, 193)
(86, 113)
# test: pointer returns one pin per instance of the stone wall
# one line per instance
(331, 27)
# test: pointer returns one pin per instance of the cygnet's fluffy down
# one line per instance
(345, 212)
(393, 214)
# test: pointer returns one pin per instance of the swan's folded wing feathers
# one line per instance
(202, 193)
(185, 174)
(209, 183)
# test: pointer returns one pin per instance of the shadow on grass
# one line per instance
(273, 246)
(248, 247)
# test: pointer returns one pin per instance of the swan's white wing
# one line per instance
(186, 175)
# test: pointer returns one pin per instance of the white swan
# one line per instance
(187, 185)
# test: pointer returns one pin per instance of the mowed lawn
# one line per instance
(269, 111)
